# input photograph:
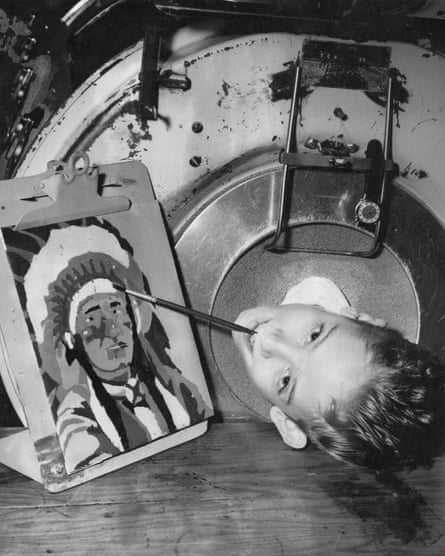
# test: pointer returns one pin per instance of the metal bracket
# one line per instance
(148, 98)
(150, 77)
(371, 210)
(65, 191)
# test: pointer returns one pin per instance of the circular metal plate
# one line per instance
(226, 268)
(381, 287)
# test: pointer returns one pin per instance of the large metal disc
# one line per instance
(226, 268)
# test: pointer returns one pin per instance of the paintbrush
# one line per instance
(186, 311)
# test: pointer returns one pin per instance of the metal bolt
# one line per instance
(197, 127)
(312, 143)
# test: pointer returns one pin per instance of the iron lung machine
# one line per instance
(279, 147)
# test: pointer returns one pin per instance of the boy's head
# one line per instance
(360, 391)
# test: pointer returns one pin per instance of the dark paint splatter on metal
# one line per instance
(400, 93)
(421, 174)
(136, 136)
(226, 88)
(188, 63)
(339, 113)
(414, 172)
(134, 108)
(225, 92)
(282, 82)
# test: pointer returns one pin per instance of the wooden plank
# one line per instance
(237, 490)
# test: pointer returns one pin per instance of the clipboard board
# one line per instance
(99, 381)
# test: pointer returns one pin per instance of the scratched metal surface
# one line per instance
(234, 97)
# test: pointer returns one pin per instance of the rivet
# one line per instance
(57, 469)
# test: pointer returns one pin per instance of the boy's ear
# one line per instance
(290, 432)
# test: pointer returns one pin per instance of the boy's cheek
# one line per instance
(241, 341)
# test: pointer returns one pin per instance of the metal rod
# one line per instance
(186, 311)
(291, 133)
(387, 141)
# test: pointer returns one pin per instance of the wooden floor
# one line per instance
(234, 491)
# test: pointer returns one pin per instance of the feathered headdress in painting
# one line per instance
(74, 263)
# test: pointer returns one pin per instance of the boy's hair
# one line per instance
(396, 418)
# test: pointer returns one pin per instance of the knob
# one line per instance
(368, 212)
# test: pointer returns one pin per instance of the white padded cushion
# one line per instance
(317, 290)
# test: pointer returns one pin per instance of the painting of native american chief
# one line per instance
(105, 359)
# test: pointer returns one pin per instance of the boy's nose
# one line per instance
(274, 342)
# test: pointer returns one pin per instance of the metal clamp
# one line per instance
(372, 208)
(66, 191)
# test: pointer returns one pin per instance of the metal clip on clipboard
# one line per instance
(372, 208)
(66, 191)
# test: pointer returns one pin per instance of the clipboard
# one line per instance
(67, 234)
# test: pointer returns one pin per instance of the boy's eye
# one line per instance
(315, 333)
(284, 381)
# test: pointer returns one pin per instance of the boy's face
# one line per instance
(302, 357)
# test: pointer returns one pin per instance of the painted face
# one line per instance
(302, 357)
(107, 333)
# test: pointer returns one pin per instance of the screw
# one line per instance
(197, 127)
(195, 161)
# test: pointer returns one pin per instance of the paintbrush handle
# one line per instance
(190, 312)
